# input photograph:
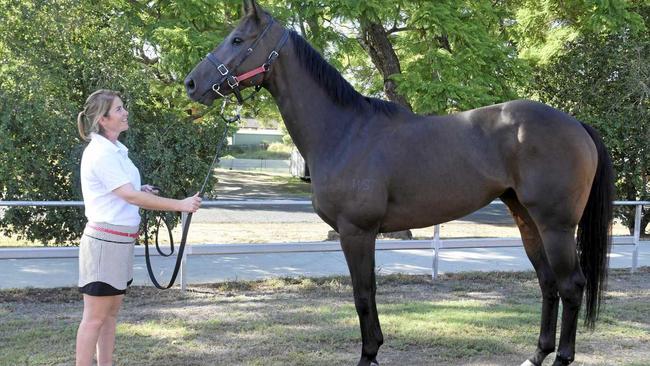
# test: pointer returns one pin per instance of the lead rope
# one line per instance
(235, 88)
(188, 220)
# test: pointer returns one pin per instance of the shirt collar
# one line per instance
(106, 144)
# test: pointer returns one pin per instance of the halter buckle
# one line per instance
(273, 55)
(235, 84)
(223, 73)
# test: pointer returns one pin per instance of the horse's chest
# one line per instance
(358, 199)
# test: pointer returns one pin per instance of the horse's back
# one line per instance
(455, 164)
(532, 133)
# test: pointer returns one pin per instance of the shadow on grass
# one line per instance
(288, 337)
(313, 321)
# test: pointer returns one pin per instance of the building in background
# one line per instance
(298, 166)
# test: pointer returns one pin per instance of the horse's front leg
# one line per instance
(359, 248)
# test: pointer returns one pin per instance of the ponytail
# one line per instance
(81, 125)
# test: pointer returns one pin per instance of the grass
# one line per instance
(14, 241)
(461, 319)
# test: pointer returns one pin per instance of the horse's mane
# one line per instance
(333, 83)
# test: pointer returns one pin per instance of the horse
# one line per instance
(377, 167)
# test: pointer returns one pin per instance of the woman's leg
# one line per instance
(106, 340)
(97, 310)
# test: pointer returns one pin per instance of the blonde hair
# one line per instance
(97, 105)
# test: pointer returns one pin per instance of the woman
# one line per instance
(112, 195)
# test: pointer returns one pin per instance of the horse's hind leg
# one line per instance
(556, 222)
(359, 249)
(535, 251)
(560, 247)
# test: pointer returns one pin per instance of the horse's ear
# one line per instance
(251, 8)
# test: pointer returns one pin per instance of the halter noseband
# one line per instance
(232, 80)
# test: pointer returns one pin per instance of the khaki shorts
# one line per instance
(106, 259)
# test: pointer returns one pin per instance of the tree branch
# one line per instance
(397, 29)
(374, 39)
(443, 41)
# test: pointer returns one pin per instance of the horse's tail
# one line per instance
(594, 231)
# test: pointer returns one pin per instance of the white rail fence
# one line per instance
(436, 244)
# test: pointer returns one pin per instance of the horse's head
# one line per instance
(242, 60)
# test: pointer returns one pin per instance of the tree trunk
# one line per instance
(374, 40)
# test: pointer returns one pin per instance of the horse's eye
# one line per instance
(237, 41)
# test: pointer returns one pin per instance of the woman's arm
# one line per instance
(150, 201)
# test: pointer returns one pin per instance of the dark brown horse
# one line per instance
(377, 167)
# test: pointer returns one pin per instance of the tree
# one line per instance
(542, 29)
(433, 57)
(445, 56)
(54, 55)
(605, 81)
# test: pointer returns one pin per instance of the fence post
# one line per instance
(436, 251)
(184, 259)
(637, 237)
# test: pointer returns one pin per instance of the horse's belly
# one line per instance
(427, 211)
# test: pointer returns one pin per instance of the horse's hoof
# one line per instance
(559, 361)
(372, 363)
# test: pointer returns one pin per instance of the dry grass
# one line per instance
(282, 232)
(461, 319)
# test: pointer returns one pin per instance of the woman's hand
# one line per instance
(150, 189)
(191, 204)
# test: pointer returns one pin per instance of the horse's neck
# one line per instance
(311, 117)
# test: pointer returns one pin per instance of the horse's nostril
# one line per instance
(189, 85)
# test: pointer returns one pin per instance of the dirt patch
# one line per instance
(236, 184)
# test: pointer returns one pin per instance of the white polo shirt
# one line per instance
(104, 167)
